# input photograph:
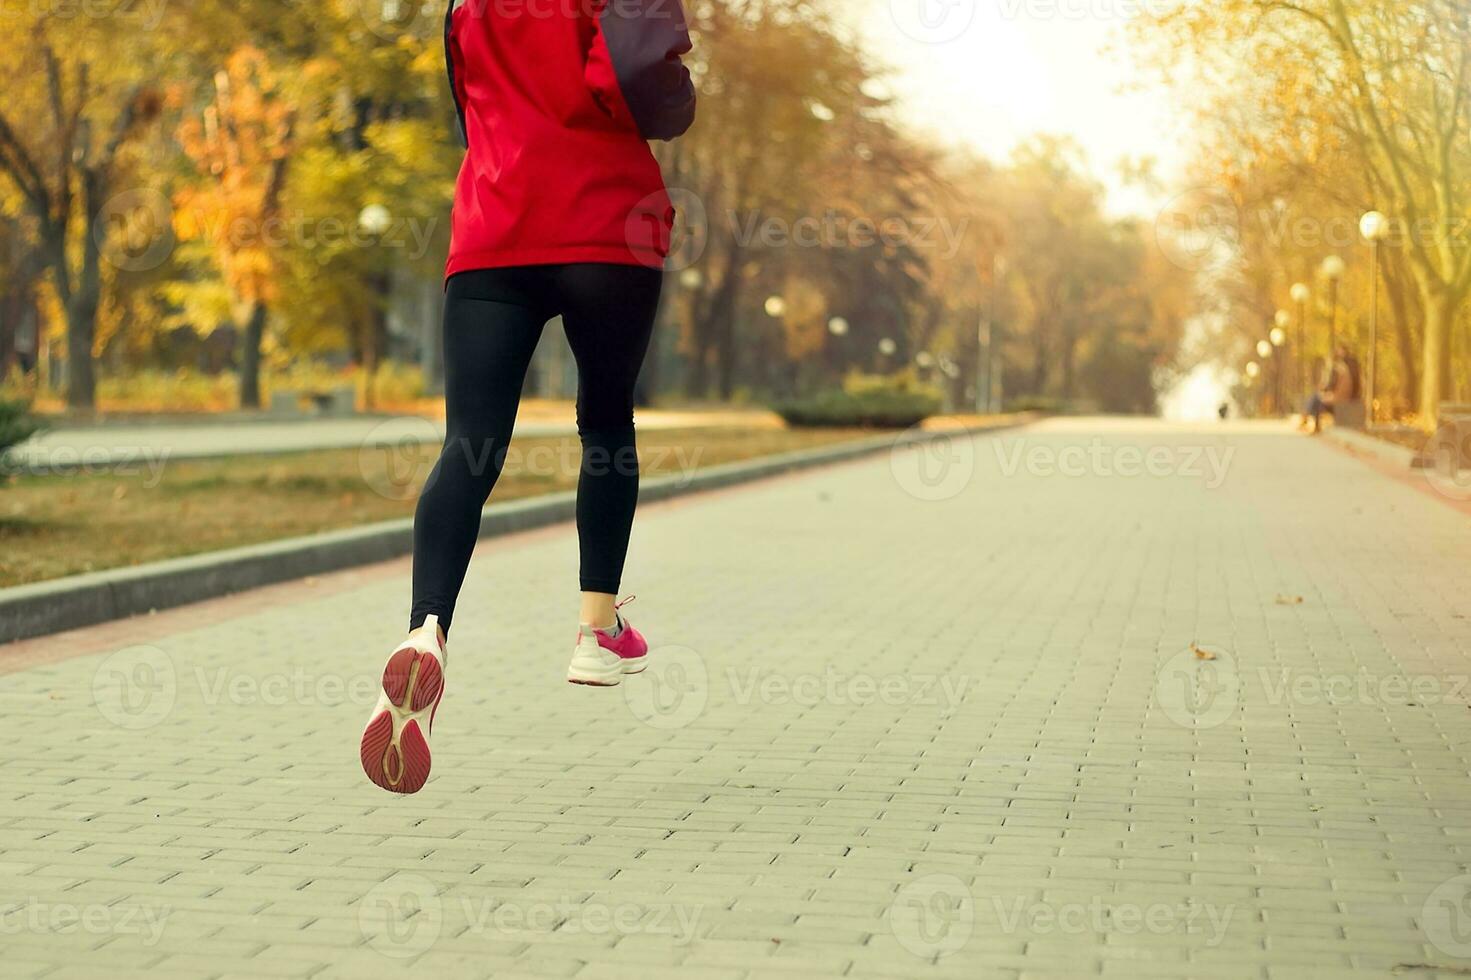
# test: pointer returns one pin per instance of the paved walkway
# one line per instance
(930, 716)
(68, 447)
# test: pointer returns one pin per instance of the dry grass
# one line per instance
(61, 525)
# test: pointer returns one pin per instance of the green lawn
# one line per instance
(52, 526)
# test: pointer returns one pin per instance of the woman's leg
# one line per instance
(608, 312)
(492, 321)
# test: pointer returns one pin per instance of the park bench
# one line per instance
(330, 401)
(1350, 415)
(1452, 442)
(1448, 450)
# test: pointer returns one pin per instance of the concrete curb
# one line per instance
(1388, 452)
(82, 600)
(64, 423)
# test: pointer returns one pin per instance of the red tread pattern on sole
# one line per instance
(415, 753)
(375, 742)
(403, 768)
(396, 675)
(429, 682)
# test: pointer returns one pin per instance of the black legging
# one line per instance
(493, 319)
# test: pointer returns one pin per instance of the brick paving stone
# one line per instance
(935, 715)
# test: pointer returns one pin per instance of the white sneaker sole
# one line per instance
(597, 667)
(395, 744)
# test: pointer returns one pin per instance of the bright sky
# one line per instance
(988, 73)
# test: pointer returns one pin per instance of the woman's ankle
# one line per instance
(599, 610)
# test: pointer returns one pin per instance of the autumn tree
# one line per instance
(1388, 83)
(793, 150)
(242, 143)
(76, 103)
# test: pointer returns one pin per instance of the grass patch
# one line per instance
(58, 525)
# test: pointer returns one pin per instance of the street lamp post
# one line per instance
(1264, 351)
(1281, 320)
(985, 342)
(1333, 268)
(838, 327)
(1278, 337)
(983, 367)
(926, 362)
(374, 220)
(1374, 227)
(1300, 295)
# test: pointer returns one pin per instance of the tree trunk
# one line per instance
(84, 298)
(1440, 314)
(725, 353)
(722, 320)
(1404, 338)
(664, 321)
(709, 324)
(1039, 362)
(81, 374)
(1069, 357)
(255, 328)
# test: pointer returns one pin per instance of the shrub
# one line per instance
(181, 390)
(1037, 403)
(16, 426)
(894, 401)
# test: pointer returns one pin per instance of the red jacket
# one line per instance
(556, 99)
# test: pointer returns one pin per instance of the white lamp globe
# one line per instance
(375, 219)
(1374, 226)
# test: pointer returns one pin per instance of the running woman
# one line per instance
(560, 209)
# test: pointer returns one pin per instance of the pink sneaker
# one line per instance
(601, 660)
(395, 745)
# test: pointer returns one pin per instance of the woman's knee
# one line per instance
(480, 456)
(605, 414)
